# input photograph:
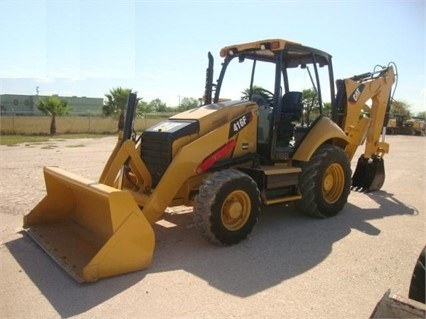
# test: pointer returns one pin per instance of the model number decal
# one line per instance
(239, 123)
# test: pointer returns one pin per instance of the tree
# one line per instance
(115, 104)
(187, 104)
(310, 99)
(400, 108)
(421, 115)
(143, 108)
(53, 106)
(310, 104)
(256, 90)
(158, 106)
(326, 109)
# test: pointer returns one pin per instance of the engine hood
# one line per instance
(216, 114)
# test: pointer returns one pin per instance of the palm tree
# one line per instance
(258, 90)
(53, 106)
(115, 104)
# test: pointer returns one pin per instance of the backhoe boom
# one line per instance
(364, 123)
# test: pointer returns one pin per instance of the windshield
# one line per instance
(238, 78)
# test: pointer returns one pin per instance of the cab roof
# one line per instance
(296, 53)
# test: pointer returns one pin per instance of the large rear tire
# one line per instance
(227, 207)
(324, 182)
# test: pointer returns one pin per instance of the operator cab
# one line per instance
(276, 74)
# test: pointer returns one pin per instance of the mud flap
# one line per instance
(90, 229)
(369, 174)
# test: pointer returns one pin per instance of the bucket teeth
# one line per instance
(369, 174)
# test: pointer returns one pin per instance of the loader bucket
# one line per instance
(369, 174)
(90, 229)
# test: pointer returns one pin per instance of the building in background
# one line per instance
(16, 104)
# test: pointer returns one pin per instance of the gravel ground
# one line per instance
(291, 266)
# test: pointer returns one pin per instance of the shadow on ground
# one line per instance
(283, 245)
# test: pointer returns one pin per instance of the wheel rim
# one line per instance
(333, 183)
(236, 210)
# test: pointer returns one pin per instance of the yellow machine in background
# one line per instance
(399, 124)
(224, 158)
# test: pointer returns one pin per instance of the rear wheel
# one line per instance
(325, 182)
(227, 207)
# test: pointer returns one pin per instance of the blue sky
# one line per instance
(159, 48)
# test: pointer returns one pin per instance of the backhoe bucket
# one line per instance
(369, 174)
(92, 230)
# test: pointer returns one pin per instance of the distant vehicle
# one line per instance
(399, 124)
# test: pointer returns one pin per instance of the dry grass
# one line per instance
(28, 140)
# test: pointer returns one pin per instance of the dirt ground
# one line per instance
(291, 266)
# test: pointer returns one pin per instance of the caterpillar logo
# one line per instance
(355, 95)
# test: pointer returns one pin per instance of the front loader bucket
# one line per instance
(369, 174)
(92, 230)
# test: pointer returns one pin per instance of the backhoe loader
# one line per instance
(399, 124)
(226, 158)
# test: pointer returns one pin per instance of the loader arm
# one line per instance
(126, 152)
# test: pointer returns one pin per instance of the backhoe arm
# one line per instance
(362, 122)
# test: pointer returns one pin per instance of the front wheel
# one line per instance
(227, 207)
(325, 182)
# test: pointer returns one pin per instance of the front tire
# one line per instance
(325, 182)
(227, 207)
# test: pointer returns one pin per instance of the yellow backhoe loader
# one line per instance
(399, 124)
(225, 158)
